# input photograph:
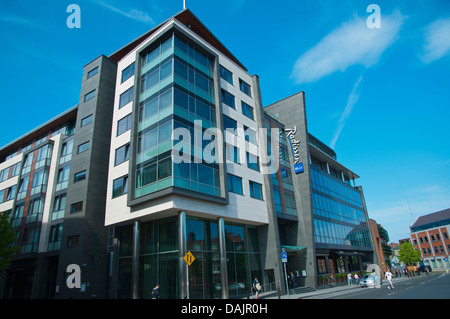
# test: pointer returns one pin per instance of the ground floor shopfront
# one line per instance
(340, 262)
(227, 258)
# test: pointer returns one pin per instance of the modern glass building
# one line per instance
(171, 153)
(329, 223)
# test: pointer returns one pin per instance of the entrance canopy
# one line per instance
(292, 248)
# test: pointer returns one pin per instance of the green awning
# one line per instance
(292, 248)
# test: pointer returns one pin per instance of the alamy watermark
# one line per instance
(206, 145)
(74, 278)
(374, 19)
(74, 19)
(374, 268)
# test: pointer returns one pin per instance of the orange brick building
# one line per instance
(430, 234)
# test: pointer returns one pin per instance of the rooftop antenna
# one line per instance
(410, 212)
(184, 4)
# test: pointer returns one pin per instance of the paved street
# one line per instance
(433, 286)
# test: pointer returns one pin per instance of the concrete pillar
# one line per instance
(182, 250)
(135, 262)
(223, 258)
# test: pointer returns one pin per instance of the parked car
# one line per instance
(424, 269)
(370, 280)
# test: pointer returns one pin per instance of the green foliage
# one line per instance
(408, 255)
(7, 241)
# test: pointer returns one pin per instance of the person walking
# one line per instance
(356, 279)
(256, 287)
(155, 292)
(389, 279)
(349, 278)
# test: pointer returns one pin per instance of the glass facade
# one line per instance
(176, 91)
(283, 188)
(158, 259)
(339, 217)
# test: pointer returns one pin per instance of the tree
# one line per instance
(408, 255)
(8, 248)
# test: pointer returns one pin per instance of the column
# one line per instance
(223, 258)
(182, 266)
(135, 262)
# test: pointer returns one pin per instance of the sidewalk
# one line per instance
(272, 295)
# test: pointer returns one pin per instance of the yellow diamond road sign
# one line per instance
(189, 258)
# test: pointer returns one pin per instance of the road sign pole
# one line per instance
(187, 281)
(284, 261)
(285, 276)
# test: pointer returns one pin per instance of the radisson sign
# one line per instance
(290, 134)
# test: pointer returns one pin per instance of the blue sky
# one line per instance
(378, 96)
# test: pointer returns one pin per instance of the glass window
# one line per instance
(92, 72)
(89, 96)
(201, 82)
(55, 233)
(11, 192)
(4, 174)
(250, 135)
(150, 80)
(228, 99)
(234, 184)
(148, 140)
(165, 168)
(63, 174)
(128, 72)
(180, 44)
(203, 110)
(165, 132)
(126, 97)
(252, 161)
(79, 176)
(86, 120)
(149, 108)
(120, 186)
(83, 147)
(73, 241)
(166, 70)
(165, 99)
(124, 124)
(146, 175)
(244, 87)
(122, 154)
(226, 74)
(60, 203)
(255, 190)
(39, 178)
(181, 69)
(181, 99)
(205, 174)
(247, 110)
(76, 207)
(229, 124)
(166, 45)
(232, 153)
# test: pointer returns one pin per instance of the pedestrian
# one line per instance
(356, 279)
(155, 292)
(256, 287)
(389, 279)
(292, 279)
(349, 278)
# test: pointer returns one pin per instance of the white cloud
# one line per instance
(32, 23)
(437, 40)
(353, 43)
(351, 101)
(131, 14)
